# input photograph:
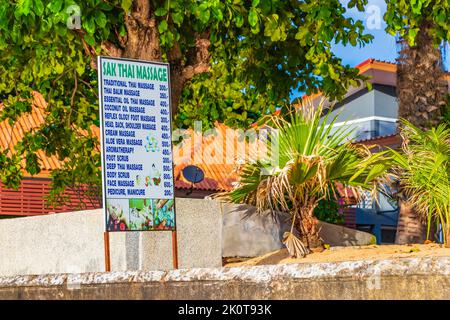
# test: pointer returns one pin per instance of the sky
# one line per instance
(383, 46)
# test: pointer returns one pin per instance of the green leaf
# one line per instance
(332, 73)
(252, 17)
(89, 39)
(161, 11)
(55, 5)
(177, 18)
(441, 17)
(126, 5)
(122, 30)
(100, 19)
(89, 25)
(162, 26)
(352, 38)
(412, 33)
(24, 6)
(239, 20)
(204, 16)
(217, 13)
(38, 7)
(301, 33)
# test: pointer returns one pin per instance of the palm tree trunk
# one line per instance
(409, 227)
(421, 89)
(307, 226)
(421, 94)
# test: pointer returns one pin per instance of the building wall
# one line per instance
(73, 242)
(359, 105)
(369, 113)
(385, 101)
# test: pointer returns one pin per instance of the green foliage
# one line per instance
(219, 97)
(328, 210)
(311, 159)
(424, 171)
(260, 51)
(406, 18)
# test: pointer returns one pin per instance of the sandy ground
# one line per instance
(335, 254)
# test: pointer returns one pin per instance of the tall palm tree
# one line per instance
(424, 169)
(421, 93)
(312, 159)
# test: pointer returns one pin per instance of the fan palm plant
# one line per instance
(313, 158)
(424, 173)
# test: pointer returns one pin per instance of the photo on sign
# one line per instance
(117, 215)
(164, 214)
(141, 214)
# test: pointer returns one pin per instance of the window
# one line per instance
(365, 227)
(388, 234)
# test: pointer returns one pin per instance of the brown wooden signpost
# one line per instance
(136, 139)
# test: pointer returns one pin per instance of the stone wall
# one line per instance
(73, 242)
(406, 278)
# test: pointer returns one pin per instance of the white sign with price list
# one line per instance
(138, 190)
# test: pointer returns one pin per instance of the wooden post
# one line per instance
(107, 253)
(174, 250)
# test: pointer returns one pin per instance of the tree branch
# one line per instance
(198, 57)
(111, 49)
(197, 62)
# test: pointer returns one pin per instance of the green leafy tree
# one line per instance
(263, 48)
(421, 25)
(312, 159)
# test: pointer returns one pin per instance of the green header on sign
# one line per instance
(128, 70)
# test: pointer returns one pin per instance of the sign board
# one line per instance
(138, 187)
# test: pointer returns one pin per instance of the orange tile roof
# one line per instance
(217, 155)
(29, 122)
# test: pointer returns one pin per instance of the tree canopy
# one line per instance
(231, 61)
(422, 26)
(405, 18)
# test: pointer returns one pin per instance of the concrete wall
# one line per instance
(73, 242)
(405, 278)
(247, 234)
